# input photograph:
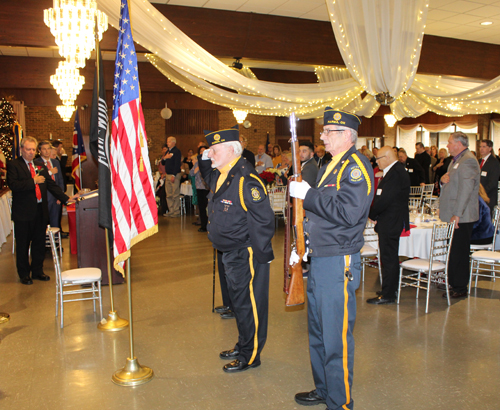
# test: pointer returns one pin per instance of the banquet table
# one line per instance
(5, 219)
(418, 244)
(187, 188)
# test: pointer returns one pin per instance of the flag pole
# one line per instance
(113, 323)
(133, 374)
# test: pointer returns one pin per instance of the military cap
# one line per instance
(218, 137)
(339, 117)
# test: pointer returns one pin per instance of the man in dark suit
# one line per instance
(248, 155)
(490, 172)
(29, 184)
(424, 159)
(321, 156)
(62, 157)
(48, 159)
(309, 167)
(413, 168)
(391, 215)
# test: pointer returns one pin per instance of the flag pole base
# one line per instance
(4, 317)
(113, 323)
(133, 374)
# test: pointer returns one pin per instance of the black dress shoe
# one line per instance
(229, 354)
(236, 366)
(380, 300)
(26, 281)
(456, 295)
(227, 315)
(221, 309)
(309, 398)
(43, 277)
(202, 229)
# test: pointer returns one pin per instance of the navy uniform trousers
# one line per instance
(248, 287)
(331, 316)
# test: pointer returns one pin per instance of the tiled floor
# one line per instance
(405, 359)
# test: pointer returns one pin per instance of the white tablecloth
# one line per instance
(187, 188)
(418, 244)
(5, 222)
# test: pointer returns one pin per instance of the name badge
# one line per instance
(483, 173)
(455, 166)
(379, 191)
(410, 170)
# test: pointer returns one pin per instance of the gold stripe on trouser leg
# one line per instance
(347, 261)
(254, 307)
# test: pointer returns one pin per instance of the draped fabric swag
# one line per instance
(387, 53)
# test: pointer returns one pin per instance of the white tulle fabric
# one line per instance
(384, 62)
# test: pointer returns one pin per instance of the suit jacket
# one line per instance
(459, 196)
(310, 171)
(490, 173)
(249, 156)
(64, 161)
(57, 178)
(390, 204)
(22, 185)
(424, 159)
(415, 171)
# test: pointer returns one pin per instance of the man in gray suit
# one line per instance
(459, 204)
(309, 167)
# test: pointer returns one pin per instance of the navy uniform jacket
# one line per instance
(239, 213)
(336, 212)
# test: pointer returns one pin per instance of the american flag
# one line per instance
(79, 154)
(133, 204)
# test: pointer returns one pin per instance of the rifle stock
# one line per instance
(294, 282)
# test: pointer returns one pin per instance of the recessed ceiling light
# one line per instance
(486, 23)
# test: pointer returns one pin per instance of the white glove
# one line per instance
(299, 189)
(204, 156)
(294, 258)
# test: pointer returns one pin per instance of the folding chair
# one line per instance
(442, 235)
(370, 251)
(277, 198)
(72, 279)
(489, 246)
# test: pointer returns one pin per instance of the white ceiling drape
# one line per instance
(390, 69)
(380, 41)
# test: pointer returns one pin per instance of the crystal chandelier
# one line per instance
(67, 81)
(240, 115)
(390, 120)
(66, 111)
(72, 23)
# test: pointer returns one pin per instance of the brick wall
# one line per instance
(257, 133)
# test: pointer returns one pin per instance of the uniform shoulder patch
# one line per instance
(256, 190)
(355, 174)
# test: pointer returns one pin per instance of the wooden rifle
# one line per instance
(294, 282)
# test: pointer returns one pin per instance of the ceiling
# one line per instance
(458, 19)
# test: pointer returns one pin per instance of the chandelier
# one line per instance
(240, 115)
(67, 81)
(390, 120)
(72, 23)
(385, 98)
(66, 111)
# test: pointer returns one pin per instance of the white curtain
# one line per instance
(388, 66)
(380, 41)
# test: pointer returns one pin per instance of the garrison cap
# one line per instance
(218, 137)
(343, 118)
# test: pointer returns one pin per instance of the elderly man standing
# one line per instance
(240, 226)
(490, 172)
(424, 160)
(262, 160)
(391, 214)
(459, 204)
(172, 162)
(29, 184)
(336, 213)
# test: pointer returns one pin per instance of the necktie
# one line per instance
(37, 188)
(49, 167)
(482, 163)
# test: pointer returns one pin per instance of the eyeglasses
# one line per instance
(328, 131)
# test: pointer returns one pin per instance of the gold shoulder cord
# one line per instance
(365, 173)
(242, 200)
(340, 173)
(258, 179)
